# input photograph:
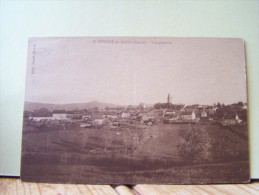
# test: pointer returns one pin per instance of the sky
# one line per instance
(129, 71)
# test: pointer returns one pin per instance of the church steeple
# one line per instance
(168, 98)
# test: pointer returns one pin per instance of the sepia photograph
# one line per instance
(135, 110)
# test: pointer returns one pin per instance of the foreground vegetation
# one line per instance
(183, 153)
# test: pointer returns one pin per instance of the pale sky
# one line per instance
(133, 70)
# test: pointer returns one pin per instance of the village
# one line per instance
(139, 116)
(151, 139)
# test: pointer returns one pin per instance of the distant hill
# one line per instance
(74, 106)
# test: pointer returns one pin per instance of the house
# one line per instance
(231, 119)
(204, 117)
(181, 117)
(85, 116)
(211, 111)
(144, 117)
(142, 106)
(110, 115)
(59, 114)
(204, 114)
(98, 119)
(135, 115)
(187, 116)
(40, 118)
(168, 113)
(174, 117)
(201, 107)
(86, 125)
(74, 116)
(125, 115)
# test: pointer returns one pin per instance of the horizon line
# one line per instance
(130, 104)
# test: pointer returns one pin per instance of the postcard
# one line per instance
(135, 110)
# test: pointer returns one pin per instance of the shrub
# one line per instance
(195, 144)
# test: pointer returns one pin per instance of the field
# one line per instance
(156, 154)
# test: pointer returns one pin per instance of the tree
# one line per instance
(42, 112)
(219, 114)
(163, 105)
(243, 115)
(240, 103)
(157, 105)
(195, 144)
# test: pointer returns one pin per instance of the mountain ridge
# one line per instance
(70, 106)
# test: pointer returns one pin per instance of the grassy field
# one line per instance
(132, 155)
(104, 141)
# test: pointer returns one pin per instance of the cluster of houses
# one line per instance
(205, 115)
(90, 118)
(139, 115)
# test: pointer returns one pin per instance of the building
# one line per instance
(40, 118)
(142, 105)
(98, 119)
(85, 116)
(174, 117)
(231, 119)
(187, 116)
(110, 115)
(204, 114)
(125, 115)
(168, 113)
(59, 114)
